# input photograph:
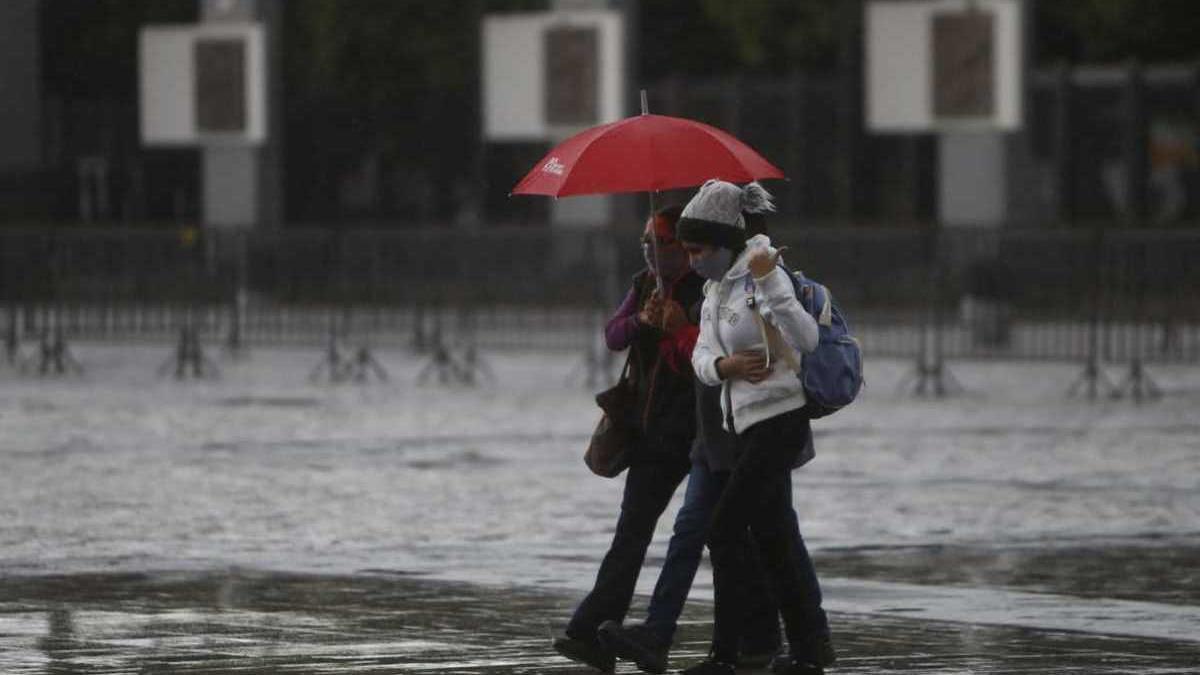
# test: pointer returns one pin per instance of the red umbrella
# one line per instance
(646, 153)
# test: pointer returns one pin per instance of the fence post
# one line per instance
(1174, 289)
(237, 309)
(1092, 376)
(55, 356)
(944, 382)
(1138, 383)
(930, 371)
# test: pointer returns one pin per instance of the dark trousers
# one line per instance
(761, 623)
(757, 498)
(649, 484)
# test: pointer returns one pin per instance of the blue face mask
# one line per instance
(714, 265)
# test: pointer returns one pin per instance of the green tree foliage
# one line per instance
(698, 37)
(1108, 31)
(392, 82)
(89, 47)
(397, 81)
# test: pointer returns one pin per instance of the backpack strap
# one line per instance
(824, 317)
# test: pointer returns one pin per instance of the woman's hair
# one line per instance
(668, 215)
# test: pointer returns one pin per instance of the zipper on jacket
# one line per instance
(727, 385)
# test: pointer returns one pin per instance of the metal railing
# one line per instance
(1088, 296)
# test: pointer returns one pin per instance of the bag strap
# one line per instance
(625, 369)
(775, 342)
(650, 393)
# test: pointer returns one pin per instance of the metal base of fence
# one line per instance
(470, 369)
(473, 367)
(1094, 381)
(234, 348)
(189, 358)
(1138, 385)
(53, 356)
(358, 367)
(931, 379)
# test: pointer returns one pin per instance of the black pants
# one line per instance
(757, 498)
(761, 624)
(649, 485)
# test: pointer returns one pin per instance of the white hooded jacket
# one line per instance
(736, 299)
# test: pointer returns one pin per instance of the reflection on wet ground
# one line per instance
(257, 622)
(1144, 569)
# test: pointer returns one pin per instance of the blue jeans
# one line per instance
(704, 490)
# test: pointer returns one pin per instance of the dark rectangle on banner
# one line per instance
(963, 64)
(572, 76)
(220, 85)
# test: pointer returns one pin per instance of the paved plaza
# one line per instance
(263, 523)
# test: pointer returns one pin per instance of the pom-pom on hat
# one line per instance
(714, 215)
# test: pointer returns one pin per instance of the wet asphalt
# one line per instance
(247, 621)
(1081, 557)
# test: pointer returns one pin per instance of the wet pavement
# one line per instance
(243, 621)
(262, 523)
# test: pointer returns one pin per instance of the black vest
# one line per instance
(666, 398)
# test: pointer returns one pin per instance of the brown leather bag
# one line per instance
(612, 444)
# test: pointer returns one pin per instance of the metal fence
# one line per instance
(1073, 295)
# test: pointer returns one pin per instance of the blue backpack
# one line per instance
(832, 374)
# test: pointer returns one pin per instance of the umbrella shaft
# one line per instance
(654, 234)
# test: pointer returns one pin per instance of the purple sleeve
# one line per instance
(622, 327)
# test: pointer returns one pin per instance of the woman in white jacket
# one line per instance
(753, 333)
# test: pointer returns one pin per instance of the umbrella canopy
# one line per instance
(646, 153)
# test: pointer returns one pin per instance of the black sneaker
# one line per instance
(711, 667)
(636, 643)
(826, 652)
(822, 651)
(757, 657)
(786, 664)
(590, 653)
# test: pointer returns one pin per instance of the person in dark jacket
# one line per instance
(653, 324)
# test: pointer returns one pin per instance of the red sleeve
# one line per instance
(677, 347)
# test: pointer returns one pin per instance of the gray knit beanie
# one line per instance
(714, 215)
